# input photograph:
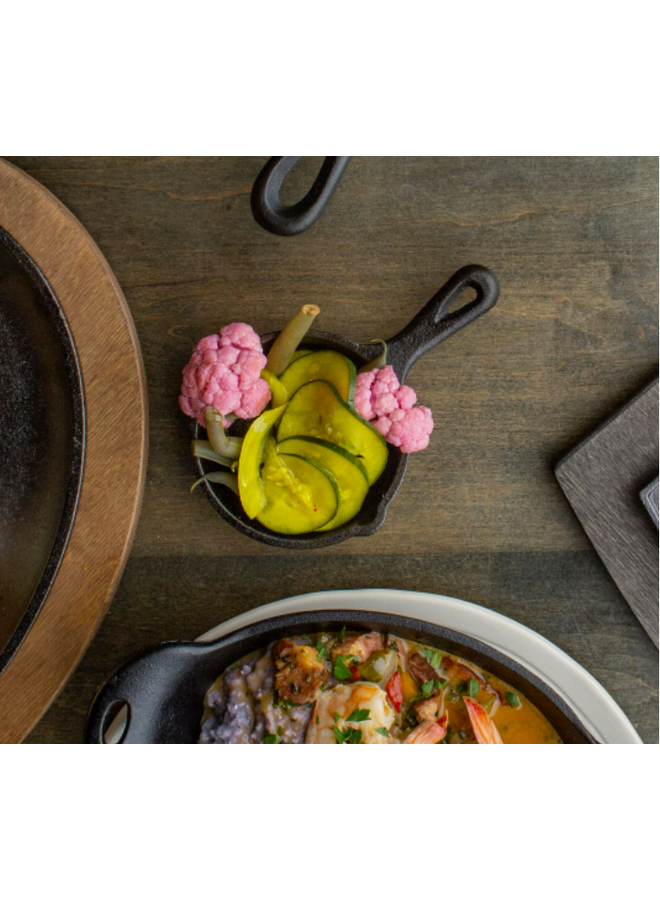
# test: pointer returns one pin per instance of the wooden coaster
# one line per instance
(115, 448)
(602, 479)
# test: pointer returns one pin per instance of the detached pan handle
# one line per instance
(272, 215)
(434, 323)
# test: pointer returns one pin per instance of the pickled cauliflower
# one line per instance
(390, 408)
(224, 373)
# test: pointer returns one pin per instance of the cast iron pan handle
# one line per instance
(434, 323)
(146, 682)
(109, 701)
(272, 215)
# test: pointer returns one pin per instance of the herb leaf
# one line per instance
(342, 633)
(347, 736)
(322, 652)
(271, 739)
(513, 699)
(427, 689)
(339, 735)
(359, 715)
(341, 670)
(383, 731)
(433, 656)
(474, 687)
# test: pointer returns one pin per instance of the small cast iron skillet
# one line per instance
(432, 325)
(286, 221)
(164, 686)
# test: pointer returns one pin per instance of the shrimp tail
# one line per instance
(429, 732)
(483, 726)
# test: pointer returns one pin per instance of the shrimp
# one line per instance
(335, 706)
(429, 732)
(431, 708)
(483, 726)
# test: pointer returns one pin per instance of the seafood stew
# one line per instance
(369, 687)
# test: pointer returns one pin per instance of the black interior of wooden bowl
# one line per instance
(41, 441)
(164, 687)
(374, 508)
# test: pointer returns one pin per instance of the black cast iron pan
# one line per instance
(286, 221)
(432, 325)
(42, 434)
(164, 686)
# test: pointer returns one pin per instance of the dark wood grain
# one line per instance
(602, 479)
(574, 242)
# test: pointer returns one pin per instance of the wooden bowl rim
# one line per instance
(116, 442)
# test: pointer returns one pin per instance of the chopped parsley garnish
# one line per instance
(433, 656)
(341, 670)
(427, 689)
(336, 716)
(271, 739)
(474, 687)
(393, 646)
(359, 715)
(348, 735)
(383, 731)
(342, 633)
(513, 699)
(322, 652)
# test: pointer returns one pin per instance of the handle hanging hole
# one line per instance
(462, 298)
(298, 182)
(115, 723)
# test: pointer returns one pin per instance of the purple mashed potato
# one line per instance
(241, 709)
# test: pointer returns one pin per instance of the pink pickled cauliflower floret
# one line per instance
(390, 407)
(224, 372)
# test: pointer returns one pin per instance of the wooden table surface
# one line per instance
(574, 242)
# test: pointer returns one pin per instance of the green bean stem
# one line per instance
(225, 446)
(204, 450)
(287, 341)
(380, 361)
(230, 481)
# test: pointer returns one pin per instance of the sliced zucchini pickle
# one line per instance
(327, 365)
(278, 392)
(317, 410)
(301, 494)
(256, 443)
(348, 471)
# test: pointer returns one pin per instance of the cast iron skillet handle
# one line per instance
(138, 684)
(272, 215)
(434, 323)
(107, 704)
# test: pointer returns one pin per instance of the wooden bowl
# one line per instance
(99, 452)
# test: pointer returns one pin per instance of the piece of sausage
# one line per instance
(300, 674)
(421, 668)
(361, 647)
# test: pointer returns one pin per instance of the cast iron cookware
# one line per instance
(286, 221)
(432, 325)
(41, 441)
(164, 686)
